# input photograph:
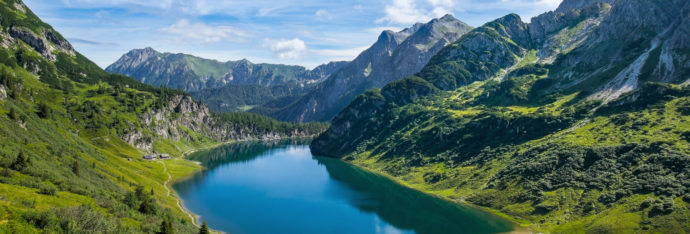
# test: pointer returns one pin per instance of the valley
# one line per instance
(576, 120)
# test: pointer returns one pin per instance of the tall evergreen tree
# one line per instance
(166, 227)
(204, 229)
(12, 114)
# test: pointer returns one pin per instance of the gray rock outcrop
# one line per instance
(395, 55)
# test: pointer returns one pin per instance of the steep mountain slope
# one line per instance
(560, 123)
(392, 57)
(72, 137)
(236, 98)
(190, 73)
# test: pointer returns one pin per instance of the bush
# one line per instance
(81, 219)
(166, 228)
(433, 177)
(12, 114)
(20, 162)
(148, 206)
(47, 188)
(607, 198)
(646, 203)
(43, 111)
(662, 206)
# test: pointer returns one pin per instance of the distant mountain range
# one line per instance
(191, 73)
(576, 122)
(293, 93)
(394, 56)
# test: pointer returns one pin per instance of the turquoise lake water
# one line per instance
(279, 187)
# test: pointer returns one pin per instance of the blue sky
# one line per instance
(302, 32)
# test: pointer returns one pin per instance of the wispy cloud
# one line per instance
(405, 12)
(313, 31)
(265, 11)
(200, 33)
(412, 11)
(286, 49)
(89, 42)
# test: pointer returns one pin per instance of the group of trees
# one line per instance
(141, 200)
(47, 157)
(263, 124)
(167, 228)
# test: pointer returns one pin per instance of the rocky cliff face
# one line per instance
(43, 39)
(192, 74)
(183, 119)
(600, 49)
(394, 55)
(555, 121)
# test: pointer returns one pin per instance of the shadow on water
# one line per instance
(334, 195)
(236, 152)
(409, 209)
(242, 152)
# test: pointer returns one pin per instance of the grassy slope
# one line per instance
(498, 175)
(55, 143)
(64, 167)
(523, 147)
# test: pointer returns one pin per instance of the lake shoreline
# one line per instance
(520, 227)
(517, 226)
(185, 156)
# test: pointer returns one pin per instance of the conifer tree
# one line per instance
(204, 229)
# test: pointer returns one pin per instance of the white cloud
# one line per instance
(266, 11)
(402, 12)
(141, 23)
(286, 49)
(200, 33)
(550, 3)
(411, 11)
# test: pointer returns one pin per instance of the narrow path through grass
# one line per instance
(179, 200)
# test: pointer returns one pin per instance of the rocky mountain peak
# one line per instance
(243, 63)
(395, 55)
(448, 17)
(147, 50)
(446, 23)
(413, 29)
(390, 38)
(141, 54)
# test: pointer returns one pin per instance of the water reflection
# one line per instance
(279, 187)
(409, 209)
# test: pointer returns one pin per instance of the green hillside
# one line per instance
(533, 121)
(236, 98)
(195, 74)
(67, 165)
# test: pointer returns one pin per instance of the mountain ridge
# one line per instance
(518, 117)
(192, 73)
(393, 56)
(72, 138)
